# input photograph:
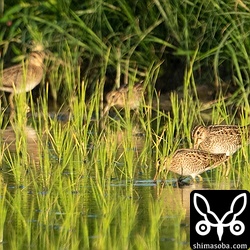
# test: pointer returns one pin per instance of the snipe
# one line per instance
(23, 77)
(125, 96)
(192, 162)
(219, 139)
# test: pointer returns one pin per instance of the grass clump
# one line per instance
(90, 185)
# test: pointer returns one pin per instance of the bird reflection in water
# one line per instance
(19, 142)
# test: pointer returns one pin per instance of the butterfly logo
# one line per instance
(236, 227)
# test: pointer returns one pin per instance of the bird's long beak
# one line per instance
(158, 168)
(106, 110)
(196, 143)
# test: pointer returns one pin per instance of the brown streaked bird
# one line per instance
(23, 77)
(125, 96)
(14, 139)
(219, 139)
(192, 162)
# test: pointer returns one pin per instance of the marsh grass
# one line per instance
(3, 211)
(91, 187)
(82, 193)
(73, 202)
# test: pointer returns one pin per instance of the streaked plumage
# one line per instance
(192, 162)
(23, 77)
(125, 96)
(218, 139)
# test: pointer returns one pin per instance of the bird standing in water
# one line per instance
(192, 162)
(125, 96)
(218, 139)
(23, 77)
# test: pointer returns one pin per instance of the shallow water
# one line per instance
(140, 193)
(99, 209)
